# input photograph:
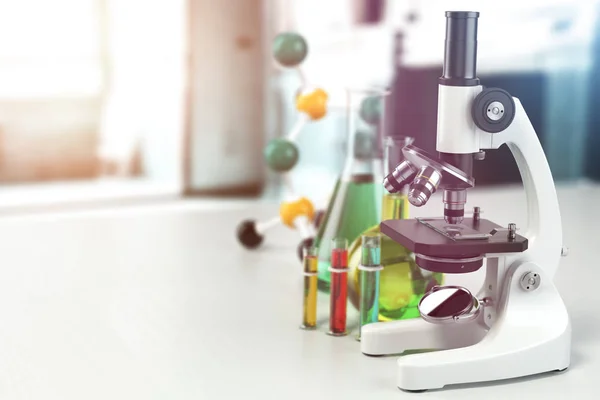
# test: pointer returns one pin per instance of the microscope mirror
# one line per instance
(448, 304)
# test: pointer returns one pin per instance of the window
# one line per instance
(90, 88)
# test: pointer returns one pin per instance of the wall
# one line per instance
(227, 80)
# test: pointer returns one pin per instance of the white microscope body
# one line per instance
(523, 327)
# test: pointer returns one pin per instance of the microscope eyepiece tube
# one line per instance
(425, 184)
(460, 56)
(399, 177)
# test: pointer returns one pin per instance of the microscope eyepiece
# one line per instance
(460, 57)
(462, 14)
(425, 184)
(399, 177)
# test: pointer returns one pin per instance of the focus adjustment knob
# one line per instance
(493, 110)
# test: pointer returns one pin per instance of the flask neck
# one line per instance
(362, 158)
(395, 206)
(355, 168)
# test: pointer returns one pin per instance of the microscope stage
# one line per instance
(420, 238)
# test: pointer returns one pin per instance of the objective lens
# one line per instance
(454, 205)
(399, 177)
(424, 185)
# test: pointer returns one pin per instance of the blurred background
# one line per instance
(131, 99)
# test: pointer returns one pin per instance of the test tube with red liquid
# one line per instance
(339, 287)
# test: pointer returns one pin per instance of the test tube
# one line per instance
(370, 267)
(339, 287)
(310, 261)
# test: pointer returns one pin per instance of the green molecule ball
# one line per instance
(371, 110)
(281, 155)
(289, 49)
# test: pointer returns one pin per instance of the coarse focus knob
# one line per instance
(493, 110)
(530, 281)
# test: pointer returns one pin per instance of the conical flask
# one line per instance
(355, 204)
(402, 282)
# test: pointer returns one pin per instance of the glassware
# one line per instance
(402, 282)
(339, 287)
(370, 271)
(309, 309)
(355, 204)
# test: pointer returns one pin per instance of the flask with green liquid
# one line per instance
(355, 204)
(402, 282)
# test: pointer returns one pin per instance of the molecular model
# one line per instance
(282, 154)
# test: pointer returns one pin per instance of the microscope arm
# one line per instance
(544, 230)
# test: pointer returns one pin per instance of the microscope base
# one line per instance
(532, 335)
(387, 338)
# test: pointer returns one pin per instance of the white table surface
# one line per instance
(160, 302)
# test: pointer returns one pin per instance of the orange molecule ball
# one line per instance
(314, 104)
(290, 210)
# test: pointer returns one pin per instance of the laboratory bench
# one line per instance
(159, 301)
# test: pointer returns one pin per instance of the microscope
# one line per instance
(517, 324)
